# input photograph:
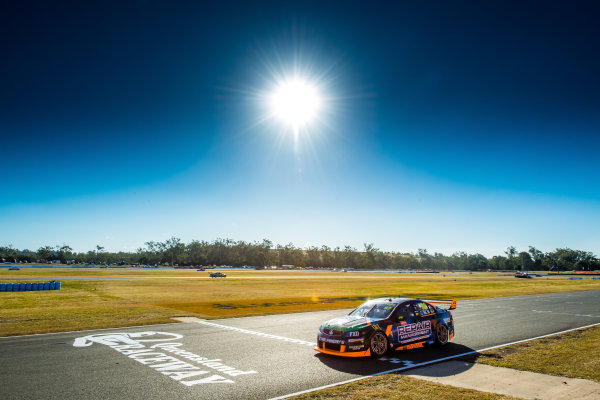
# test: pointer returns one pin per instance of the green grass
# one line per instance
(398, 387)
(136, 297)
(574, 354)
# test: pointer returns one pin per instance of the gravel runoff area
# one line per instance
(523, 384)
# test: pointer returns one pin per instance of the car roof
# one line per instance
(396, 300)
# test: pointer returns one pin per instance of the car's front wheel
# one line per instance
(441, 335)
(379, 344)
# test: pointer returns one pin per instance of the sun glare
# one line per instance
(295, 102)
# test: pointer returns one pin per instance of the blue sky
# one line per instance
(446, 126)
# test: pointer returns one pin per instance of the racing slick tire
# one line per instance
(441, 335)
(378, 344)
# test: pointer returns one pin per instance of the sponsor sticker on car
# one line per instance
(412, 332)
(325, 338)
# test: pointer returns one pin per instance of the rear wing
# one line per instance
(452, 303)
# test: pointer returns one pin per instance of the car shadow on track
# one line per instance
(396, 360)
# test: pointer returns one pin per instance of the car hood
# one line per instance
(348, 323)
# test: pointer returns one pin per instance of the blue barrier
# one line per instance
(26, 287)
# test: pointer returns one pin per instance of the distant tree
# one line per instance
(525, 261)
(537, 256)
(566, 258)
(230, 252)
(268, 256)
(499, 263)
(477, 262)
(586, 261)
(8, 253)
(172, 249)
(425, 259)
(511, 253)
(327, 257)
(573, 259)
(288, 255)
(198, 252)
(99, 253)
(26, 255)
(460, 260)
(349, 257)
(369, 256)
(45, 253)
(314, 256)
(65, 253)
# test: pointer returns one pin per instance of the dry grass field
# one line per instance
(399, 387)
(100, 298)
(574, 354)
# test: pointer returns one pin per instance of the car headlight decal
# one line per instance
(356, 340)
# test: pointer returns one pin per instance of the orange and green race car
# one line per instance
(390, 323)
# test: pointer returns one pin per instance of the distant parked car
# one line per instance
(217, 275)
(523, 275)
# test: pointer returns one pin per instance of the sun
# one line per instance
(295, 102)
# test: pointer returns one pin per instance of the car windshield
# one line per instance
(379, 310)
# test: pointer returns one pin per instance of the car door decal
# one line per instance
(413, 332)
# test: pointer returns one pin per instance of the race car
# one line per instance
(523, 275)
(384, 324)
(217, 275)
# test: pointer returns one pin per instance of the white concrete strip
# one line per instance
(511, 382)
(85, 330)
(570, 314)
(429, 362)
(246, 331)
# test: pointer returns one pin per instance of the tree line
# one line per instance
(265, 254)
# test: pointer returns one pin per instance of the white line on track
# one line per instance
(413, 366)
(84, 330)
(563, 313)
(255, 333)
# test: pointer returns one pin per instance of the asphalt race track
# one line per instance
(251, 357)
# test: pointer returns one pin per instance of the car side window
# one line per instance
(416, 309)
(423, 308)
(404, 312)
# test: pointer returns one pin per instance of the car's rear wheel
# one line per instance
(441, 335)
(379, 344)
